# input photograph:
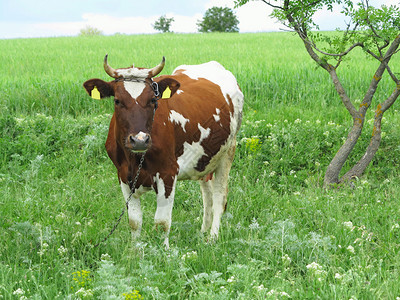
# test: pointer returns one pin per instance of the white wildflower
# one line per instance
(314, 266)
(192, 255)
(259, 288)
(62, 250)
(19, 292)
(349, 225)
(286, 259)
(338, 276)
(60, 217)
(272, 174)
(43, 249)
(396, 226)
(316, 271)
(84, 293)
(231, 279)
(105, 257)
(292, 172)
(297, 121)
(350, 249)
(318, 122)
(284, 294)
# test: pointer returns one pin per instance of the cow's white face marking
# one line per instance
(175, 117)
(135, 89)
(191, 155)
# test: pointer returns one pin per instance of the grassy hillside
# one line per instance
(283, 236)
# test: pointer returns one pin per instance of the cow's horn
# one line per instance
(110, 71)
(157, 69)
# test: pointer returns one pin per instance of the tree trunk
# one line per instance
(336, 164)
(334, 168)
(373, 146)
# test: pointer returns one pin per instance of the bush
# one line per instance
(90, 31)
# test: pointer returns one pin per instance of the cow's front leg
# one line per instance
(165, 201)
(134, 211)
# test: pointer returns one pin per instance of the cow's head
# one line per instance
(135, 97)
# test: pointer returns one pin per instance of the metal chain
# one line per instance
(126, 204)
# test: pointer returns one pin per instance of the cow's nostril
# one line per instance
(147, 139)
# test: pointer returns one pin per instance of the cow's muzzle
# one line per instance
(139, 142)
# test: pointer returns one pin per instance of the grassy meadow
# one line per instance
(283, 236)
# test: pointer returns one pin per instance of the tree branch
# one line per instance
(340, 54)
(391, 74)
(272, 5)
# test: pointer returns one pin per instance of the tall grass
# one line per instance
(273, 70)
(283, 236)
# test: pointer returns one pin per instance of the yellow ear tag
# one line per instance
(167, 93)
(95, 93)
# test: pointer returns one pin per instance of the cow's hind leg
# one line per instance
(207, 192)
(220, 189)
(134, 211)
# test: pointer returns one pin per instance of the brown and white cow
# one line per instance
(190, 135)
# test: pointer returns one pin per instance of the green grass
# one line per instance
(282, 236)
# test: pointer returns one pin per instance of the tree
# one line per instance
(163, 24)
(220, 19)
(90, 31)
(376, 32)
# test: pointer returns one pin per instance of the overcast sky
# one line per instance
(48, 18)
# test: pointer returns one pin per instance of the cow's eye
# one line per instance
(116, 101)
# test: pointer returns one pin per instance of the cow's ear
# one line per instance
(98, 89)
(168, 86)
